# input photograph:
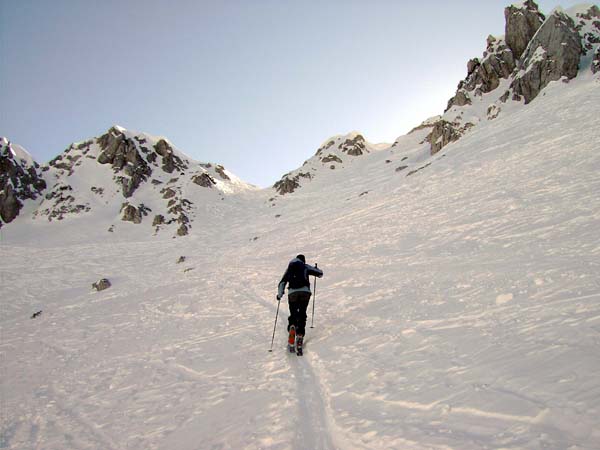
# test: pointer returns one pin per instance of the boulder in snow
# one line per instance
(101, 284)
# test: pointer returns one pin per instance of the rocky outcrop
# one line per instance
(221, 171)
(596, 62)
(484, 75)
(20, 180)
(289, 184)
(325, 147)
(182, 230)
(204, 180)
(588, 26)
(60, 202)
(521, 25)
(170, 161)
(553, 53)
(443, 133)
(132, 214)
(122, 153)
(67, 161)
(355, 146)
(331, 158)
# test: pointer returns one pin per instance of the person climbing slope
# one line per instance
(296, 276)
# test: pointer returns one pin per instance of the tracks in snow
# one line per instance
(312, 420)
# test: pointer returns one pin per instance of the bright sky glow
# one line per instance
(256, 86)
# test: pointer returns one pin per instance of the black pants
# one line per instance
(298, 302)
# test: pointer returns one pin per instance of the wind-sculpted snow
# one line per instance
(460, 307)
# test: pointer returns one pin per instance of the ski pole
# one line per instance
(275, 327)
(312, 320)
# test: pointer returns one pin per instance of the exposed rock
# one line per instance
(412, 172)
(182, 230)
(102, 284)
(521, 25)
(443, 133)
(221, 171)
(170, 161)
(484, 76)
(492, 112)
(596, 62)
(289, 184)
(168, 193)
(10, 206)
(325, 147)
(401, 168)
(181, 259)
(122, 154)
(553, 53)
(36, 314)
(355, 146)
(204, 180)
(429, 123)
(460, 99)
(331, 158)
(60, 202)
(20, 180)
(159, 219)
(133, 214)
(65, 161)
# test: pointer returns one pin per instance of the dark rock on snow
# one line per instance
(102, 284)
(204, 180)
(122, 153)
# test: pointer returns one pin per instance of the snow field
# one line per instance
(459, 308)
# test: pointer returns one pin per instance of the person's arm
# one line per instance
(314, 271)
(281, 287)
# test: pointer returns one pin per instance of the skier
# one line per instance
(299, 294)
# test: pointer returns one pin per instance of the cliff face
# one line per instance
(20, 180)
(553, 53)
(534, 51)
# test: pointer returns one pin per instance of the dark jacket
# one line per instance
(297, 285)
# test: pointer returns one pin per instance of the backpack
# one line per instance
(297, 275)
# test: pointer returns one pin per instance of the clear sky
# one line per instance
(255, 85)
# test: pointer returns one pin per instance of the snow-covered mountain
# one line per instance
(459, 306)
(514, 69)
(127, 176)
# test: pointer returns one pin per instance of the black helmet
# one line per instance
(301, 258)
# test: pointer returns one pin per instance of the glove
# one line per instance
(278, 297)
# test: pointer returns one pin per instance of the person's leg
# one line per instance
(293, 304)
(301, 307)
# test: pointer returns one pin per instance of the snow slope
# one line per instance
(459, 307)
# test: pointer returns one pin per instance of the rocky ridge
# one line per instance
(131, 177)
(514, 68)
(20, 180)
(535, 51)
(333, 154)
